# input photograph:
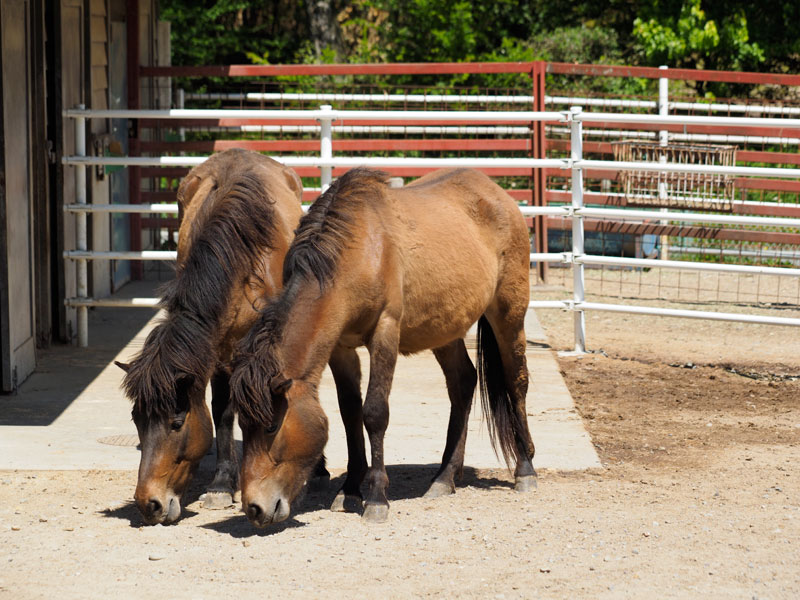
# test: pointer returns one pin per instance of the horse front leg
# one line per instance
(226, 475)
(346, 369)
(383, 348)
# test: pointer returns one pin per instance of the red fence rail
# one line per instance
(536, 145)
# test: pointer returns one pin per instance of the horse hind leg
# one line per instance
(504, 347)
(461, 379)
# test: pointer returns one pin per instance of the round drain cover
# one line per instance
(120, 440)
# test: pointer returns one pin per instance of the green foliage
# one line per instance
(212, 32)
(725, 34)
(693, 40)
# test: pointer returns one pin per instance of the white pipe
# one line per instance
(576, 154)
(84, 255)
(384, 129)
(424, 115)
(689, 120)
(695, 106)
(563, 257)
(81, 244)
(610, 102)
(476, 99)
(682, 137)
(412, 98)
(740, 108)
(550, 211)
(114, 302)
(315, 115)
(326, 147)
(787, 255)
(686, 265)
(691, 314)
(663, 140)
(562, 304)
(526, 163)
(122, 208)
(316, 161)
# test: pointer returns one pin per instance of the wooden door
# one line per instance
(17, 326)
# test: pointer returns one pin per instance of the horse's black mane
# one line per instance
(319, 240)
(232, 227)
(325, 230)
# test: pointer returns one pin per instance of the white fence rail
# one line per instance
(575, 118)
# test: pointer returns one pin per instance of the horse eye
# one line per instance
(177, 423)
(271, 429)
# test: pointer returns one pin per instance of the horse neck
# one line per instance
(204, 334)
(310, 333)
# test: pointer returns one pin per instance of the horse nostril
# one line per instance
(254, 512)
(153, 506)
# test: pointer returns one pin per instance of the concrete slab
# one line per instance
(74, 400)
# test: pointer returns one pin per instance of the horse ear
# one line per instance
(187, 189)
(280, 385)
(124, 366)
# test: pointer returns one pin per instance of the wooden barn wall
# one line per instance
(97, 142)
(17, 274)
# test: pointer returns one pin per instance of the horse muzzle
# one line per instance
(265, 512)
(160, 511)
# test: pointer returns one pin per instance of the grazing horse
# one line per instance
(399, 271)
(239, 211)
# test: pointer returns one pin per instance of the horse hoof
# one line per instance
(439, 488)
(217, 500)
(346, 503)
(526, 483)
(376, 513)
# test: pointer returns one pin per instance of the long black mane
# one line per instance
(234, 225)
(327, 227)
(320, 238)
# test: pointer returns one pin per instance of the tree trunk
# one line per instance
(324, 27)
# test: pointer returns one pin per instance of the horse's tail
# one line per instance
(498, 409)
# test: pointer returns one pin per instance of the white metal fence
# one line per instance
(576, 164)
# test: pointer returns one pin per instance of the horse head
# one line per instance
(284, 432)
(175, 433)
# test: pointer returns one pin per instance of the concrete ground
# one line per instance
(71, 414)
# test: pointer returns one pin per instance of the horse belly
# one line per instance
(444, 298)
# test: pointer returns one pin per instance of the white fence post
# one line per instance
(81, 242)
(663, 140)
(180, 102)
(576, 154)
(325, 147)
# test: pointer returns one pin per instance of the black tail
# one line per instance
(498, 409)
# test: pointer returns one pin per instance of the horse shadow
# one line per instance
(407, 482)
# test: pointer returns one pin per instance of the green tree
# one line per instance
(691, 39)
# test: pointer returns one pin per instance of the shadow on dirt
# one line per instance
(406, 482)
(129, 512)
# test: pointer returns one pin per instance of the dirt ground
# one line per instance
(697, 424)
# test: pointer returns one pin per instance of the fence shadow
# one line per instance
(64, 372)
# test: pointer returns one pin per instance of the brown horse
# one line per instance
(400, 271)
(239, 211)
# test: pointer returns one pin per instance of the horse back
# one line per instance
(438, 249)
(267, 217)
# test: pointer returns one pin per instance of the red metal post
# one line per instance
(134, 173)
(539, 175)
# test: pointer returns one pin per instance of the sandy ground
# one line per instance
(700, 496)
